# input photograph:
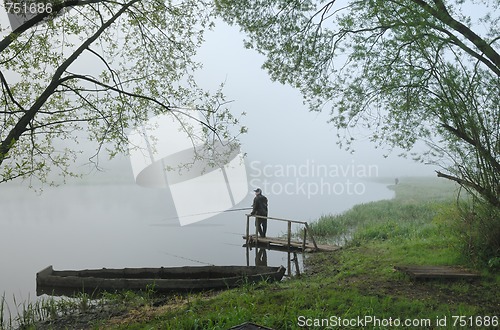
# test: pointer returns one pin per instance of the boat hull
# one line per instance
(50, 281)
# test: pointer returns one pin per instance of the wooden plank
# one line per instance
(249, 326)
(437, 272)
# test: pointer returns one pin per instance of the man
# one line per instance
(259, 207)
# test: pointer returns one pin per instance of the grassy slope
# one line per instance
(359, 281)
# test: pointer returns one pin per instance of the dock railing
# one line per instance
(307, 231)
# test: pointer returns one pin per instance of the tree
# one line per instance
(408, 70)
(98, 69)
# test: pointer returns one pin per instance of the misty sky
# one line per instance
(281, 129)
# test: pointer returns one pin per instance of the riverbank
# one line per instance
(356, 286)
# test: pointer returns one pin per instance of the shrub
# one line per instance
(479, 225)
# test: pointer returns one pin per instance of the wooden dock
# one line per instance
(281, 244)
(308, 243)
(437, 272)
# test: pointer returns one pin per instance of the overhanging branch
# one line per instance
(477, 145)
(467, 184)
(442, 14)
(40, 17)
(24, 121)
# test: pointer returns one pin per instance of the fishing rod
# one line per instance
(212, 212)
(184, 258)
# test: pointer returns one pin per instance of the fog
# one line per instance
(106, 220)
(281, 129)
(282, 133)
(291, 153)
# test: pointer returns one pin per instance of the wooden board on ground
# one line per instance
(249, 326)
(295, 245)
(437, 272)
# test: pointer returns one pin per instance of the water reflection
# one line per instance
(295, 260)
(260, 257)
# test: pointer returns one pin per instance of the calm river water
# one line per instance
(115, 226)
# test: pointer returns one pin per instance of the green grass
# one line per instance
(63, 312)
(408, 216)
(357, 282)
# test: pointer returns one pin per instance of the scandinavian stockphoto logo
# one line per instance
(167, 153)
(311, 178)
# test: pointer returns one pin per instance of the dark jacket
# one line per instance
(259, 205)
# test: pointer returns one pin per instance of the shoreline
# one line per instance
(372, 250)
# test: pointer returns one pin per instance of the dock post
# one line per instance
(312, 237)
(289, 241)
(289, 234)
(248, 254)
(248, 229)
(256, 231)
(296, 261)
(304, 239)
(289, 269)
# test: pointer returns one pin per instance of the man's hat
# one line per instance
(258, 190)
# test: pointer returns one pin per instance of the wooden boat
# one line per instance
(161, 279)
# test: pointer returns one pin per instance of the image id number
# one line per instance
(475, 321)
(27, 7)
